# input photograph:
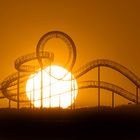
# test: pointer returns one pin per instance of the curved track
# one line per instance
(20, 62)
(108, 63)
(108, 86)
(18, 79)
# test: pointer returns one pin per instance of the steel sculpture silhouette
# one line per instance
(13, 87)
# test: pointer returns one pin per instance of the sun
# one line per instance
(57, 87)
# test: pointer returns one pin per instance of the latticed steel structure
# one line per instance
(13, 87)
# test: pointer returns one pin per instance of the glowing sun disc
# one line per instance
(55, 92)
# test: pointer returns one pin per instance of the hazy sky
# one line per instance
(100, 29)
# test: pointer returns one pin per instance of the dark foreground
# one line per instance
(122, 123)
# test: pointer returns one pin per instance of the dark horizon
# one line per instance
(88, 123)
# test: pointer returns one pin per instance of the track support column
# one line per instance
(74, 93)
(71, 91)
(137, 95)
(18, 82)
(33, 93)
(30, 100)
(98, 86)
(113, 100)
(9, 104)
(41, 89)
(50, 87)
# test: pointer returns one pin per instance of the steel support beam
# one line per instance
(137, 95)
(9, 104)
(18, 86)
(71, 91)
(98, 86)
(33, 93)
(74, 94)
(50, 87)
(113, 103)
(30, 100)
(41, 89)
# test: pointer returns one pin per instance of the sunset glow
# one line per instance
(56, 92)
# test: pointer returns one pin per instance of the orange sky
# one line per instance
(100, 29)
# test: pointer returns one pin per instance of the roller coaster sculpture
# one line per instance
(13, 87)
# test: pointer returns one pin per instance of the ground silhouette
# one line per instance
(122, 122)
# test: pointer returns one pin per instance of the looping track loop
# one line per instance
(70, 44)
